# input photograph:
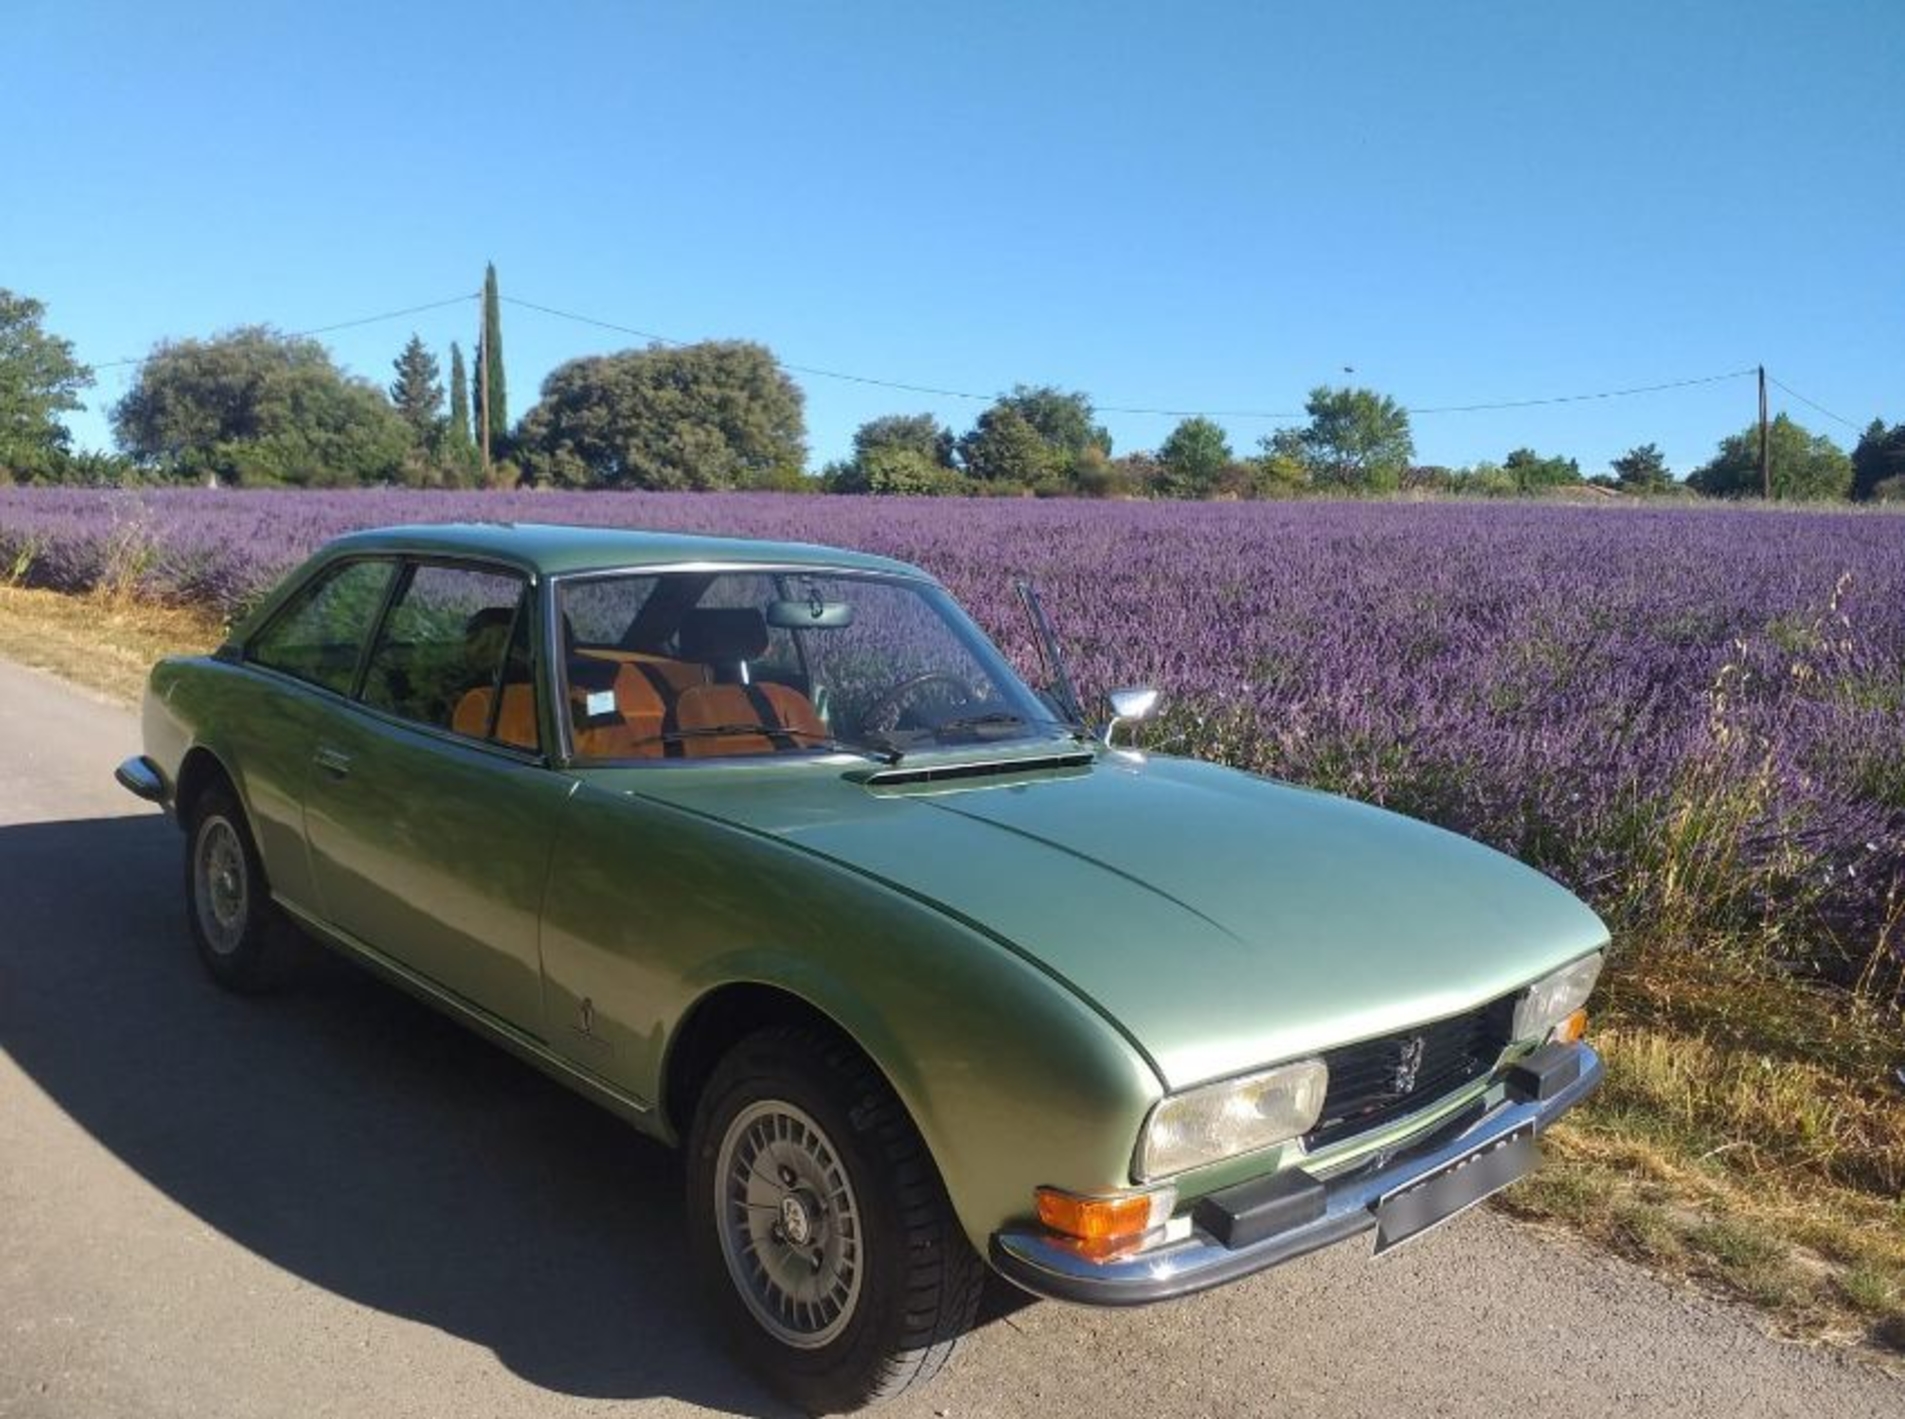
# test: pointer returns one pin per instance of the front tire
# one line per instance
(820, 1226)
(227, 900)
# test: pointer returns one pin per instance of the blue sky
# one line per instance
(1184, 206)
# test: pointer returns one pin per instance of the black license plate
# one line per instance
(1454, 1187)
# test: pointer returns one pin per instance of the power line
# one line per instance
(796, 369)
(1125, 408)
(1579, 398)
(1820, 407)
(937, 391)
(326, 329)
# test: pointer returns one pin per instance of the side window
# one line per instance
(319, 636)
(448, 655)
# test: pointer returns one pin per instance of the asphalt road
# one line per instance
(334, 1202)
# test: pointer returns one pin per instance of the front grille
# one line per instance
(1371, 1084)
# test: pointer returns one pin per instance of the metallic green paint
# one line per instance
(1031, 957)
(1224, 921)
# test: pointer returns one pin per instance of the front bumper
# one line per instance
(1045, 1267)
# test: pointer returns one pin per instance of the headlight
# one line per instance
(1553, 998)
(1233, 1116)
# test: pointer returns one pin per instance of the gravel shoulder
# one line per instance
(335, 1202)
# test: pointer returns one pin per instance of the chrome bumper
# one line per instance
(1041, 1265)
(140, 777)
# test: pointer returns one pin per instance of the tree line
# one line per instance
(256, 407)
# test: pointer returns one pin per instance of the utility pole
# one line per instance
(1765, 449)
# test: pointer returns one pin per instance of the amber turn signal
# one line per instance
(1571, 1029)
(1103, 1226)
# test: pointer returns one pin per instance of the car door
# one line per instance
(303, 666)
(431, 810)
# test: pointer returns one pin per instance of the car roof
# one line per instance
(555, 550)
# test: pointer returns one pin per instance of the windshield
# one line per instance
(702, 665)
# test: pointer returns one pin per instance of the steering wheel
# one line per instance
(884, 713)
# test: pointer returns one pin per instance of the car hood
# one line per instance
(1221, 920)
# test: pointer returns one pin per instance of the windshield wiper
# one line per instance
(802, 738)
(990, 719)
(1004, 719)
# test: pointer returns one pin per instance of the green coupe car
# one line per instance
(768, 849)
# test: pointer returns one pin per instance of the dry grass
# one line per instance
(1750, 1138)
(103, 641)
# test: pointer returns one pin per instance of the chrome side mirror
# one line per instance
(1130, 705)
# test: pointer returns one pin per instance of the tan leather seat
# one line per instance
(630, 725)
(515, 725)
(680, 674)
(785, 715)
(485, 639)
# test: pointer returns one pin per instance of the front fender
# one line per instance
(1011, 1078)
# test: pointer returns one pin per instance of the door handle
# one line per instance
(334, 762)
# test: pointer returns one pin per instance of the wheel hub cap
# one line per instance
(789, 1224)
(221, 890)
(794, 1224)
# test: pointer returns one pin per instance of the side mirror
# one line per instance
(1130, 705)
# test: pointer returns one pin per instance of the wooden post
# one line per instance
(1765, 449)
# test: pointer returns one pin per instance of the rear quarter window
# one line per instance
(319, 636)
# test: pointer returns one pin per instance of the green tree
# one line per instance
(721, 414)
(1282, 465)
(1532, 472)
(1004, 448)
(417, 392)
(489, 360)
(39, 380)
(1067, 422)
(1484, 480)
(256, 406)
(897, 469)
(1356, 439)
(1038, 437)
(898, 453)
(1806, 467)
(921, 433)
(1643, 469)
(1194, 457)
(1879, 458)
(458, 445)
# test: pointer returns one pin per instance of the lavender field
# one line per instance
(1695, 717)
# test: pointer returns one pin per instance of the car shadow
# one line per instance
(350, 1135)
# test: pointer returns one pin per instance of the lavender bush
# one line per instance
(1696, 717)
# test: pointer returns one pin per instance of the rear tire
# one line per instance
(820, 1227)
(235, 926)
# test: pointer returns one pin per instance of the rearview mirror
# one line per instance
(1130, 705)
(809, 615)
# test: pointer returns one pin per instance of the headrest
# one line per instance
(485, 634)
(721, 633)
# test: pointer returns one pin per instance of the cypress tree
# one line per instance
(458, 444)
(489, 362)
